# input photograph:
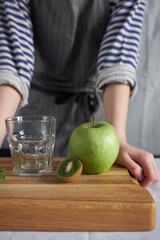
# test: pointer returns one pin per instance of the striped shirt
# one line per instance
(118, 49)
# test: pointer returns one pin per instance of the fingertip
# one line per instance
(136, 171)
(145, 183)
(140, 177)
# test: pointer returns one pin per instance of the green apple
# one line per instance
(96, 144)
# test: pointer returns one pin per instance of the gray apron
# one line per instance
(67, 37)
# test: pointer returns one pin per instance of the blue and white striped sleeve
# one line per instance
(119, 52)
(16, 46)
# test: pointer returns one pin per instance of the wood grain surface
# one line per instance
(112, 201)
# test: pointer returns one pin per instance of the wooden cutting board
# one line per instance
(112, 201)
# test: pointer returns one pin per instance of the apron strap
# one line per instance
(87, 101)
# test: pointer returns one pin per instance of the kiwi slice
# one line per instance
(69, 169)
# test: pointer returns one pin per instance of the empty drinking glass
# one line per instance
(31, 140)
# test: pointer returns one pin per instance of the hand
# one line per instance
(9, 102)
(140, 164)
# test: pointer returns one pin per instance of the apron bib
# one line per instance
(67, 37)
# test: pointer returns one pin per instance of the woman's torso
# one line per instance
(67, 36)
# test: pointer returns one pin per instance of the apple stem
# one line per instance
(94, 120)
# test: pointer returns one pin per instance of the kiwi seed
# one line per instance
(69, 169)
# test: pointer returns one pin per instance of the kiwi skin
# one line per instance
(74, 176)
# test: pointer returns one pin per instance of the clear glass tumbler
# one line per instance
(31, 140)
